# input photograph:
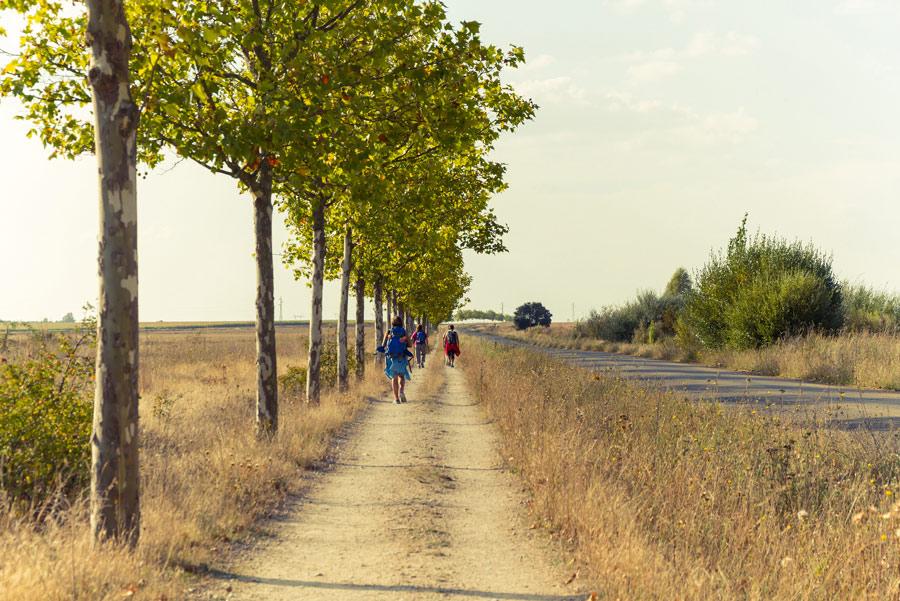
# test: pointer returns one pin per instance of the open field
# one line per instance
(56, 326)
(206, 479)
(658, 497)
(854, 359)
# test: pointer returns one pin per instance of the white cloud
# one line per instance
(653, 70)
(553, 90)
(660, 124)
(865, 7)
(541, 61)
(655, 65)
(624, 6)
(677, 10)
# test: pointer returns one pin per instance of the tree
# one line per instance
(68, 318)
(530, 315)
(111, 135)
(760, 289)
(679, 284)
(431, 93)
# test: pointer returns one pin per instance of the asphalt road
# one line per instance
(858, 408)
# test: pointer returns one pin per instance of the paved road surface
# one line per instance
(875, 409)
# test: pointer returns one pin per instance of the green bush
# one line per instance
(648, 318)
(868, 310)
(45, 419)
(763, 289)
(294, 380)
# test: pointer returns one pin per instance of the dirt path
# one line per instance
(417, 508)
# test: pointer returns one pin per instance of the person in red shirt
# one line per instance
(451, 346)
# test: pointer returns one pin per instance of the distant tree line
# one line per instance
(464, 314)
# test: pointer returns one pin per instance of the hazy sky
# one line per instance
(662, 122)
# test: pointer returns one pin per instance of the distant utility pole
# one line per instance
(280, 308)
(501, 310)
(573, 312)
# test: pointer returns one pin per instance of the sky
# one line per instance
(662, 123)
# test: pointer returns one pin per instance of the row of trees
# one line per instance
(368, 123)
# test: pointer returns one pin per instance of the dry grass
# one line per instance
(206, 478)
(661, 498)
(858, 359)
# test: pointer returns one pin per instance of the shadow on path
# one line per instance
(398, 588)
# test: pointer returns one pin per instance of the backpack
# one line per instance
(396, 347)
(420, 337)
(452, 337)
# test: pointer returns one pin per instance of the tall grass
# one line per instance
(863, 359)
(662, 498)
(206, 479)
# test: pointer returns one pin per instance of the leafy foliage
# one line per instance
(762, 289)
(491, 315)
(647, 318)
(869, 310)
(530, 315)
(45, 418)
(293, 381)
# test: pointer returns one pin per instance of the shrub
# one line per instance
(294, 380)
(45, 419)
(763, 289)
(530, 315)
(647, 319)
(867, 310)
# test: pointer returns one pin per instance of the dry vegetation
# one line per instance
(661, 498)
(205, 477)
(867, 360)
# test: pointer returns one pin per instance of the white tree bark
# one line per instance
(360, 326)
(377, 292)
(313, 370)
(266, 369)
(115, 482)
(343, 321)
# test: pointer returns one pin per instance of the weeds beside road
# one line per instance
(659, 497)
(866, 360)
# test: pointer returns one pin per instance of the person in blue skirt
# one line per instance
(397, 356)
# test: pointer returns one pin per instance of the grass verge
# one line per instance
(661, 498)
(866, 360)
(206, 479)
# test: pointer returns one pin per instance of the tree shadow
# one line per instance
(398, 588)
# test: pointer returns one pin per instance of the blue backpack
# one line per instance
(396, 347)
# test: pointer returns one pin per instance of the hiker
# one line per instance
(451, 346)
(397, 355)
(421, 340)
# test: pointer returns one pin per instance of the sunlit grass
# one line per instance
(658, 497)
(206, 479)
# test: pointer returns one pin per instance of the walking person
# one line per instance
(421, 341)
(396, 365)
(451, 346)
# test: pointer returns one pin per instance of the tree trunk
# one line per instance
(266, 369)
(377, 292)
(314, 361)
(360, 327)
(346, 268)
(115, 492)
